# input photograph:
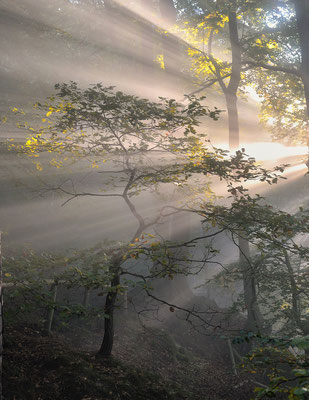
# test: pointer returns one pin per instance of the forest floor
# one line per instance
(147, 366)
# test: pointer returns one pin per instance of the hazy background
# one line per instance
(43, 43)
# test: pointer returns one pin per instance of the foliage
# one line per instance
(283, 108)
(279, 260)
(284, 361)
(101, 126)
(144, 144)
(270, 57)
(28, 275)
(207, 36)
(278, 269)
(274, 52)
(30, 278)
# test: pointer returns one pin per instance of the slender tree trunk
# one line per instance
(302, 17)
(295, 312)
(294, 291)
(254, 316)
(108, 338)
(115, 270)
(231, 90)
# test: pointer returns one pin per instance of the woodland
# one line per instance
(154, 210)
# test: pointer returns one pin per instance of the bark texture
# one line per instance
(108, 338)
(231, 89)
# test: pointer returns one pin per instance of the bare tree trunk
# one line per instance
(295, 312)
(254, 316)
(302, 20)
(115, 270)
(108, 338)
(294, 291)
(233, 122)
(231, 89)
(51, 310)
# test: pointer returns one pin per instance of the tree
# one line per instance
(143, 143)
(279, 56)
(302, 20)
(210, 67)
(276, 272)
(124, 132)
(272, 52)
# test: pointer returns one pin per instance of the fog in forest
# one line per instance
(165, 251)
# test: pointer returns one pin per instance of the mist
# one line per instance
(179, 294)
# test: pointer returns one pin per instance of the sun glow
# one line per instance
(273, 151)
(268, 151)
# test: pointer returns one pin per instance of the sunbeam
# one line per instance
(152, 205)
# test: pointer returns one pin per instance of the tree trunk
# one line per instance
(233, 122)
(302, 20)
(108, 338)
(231, 89)
(302, 17)
(254, 316)
(295, 312)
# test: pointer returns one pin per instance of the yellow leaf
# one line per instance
(160, 60)
(39, 166)
(48, 113)
(43, 119)
(7, 274)
(272, 44)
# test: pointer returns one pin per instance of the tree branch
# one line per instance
(276, 68)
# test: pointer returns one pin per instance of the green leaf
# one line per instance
(300, 391)
(301, 343)
(301, 372)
